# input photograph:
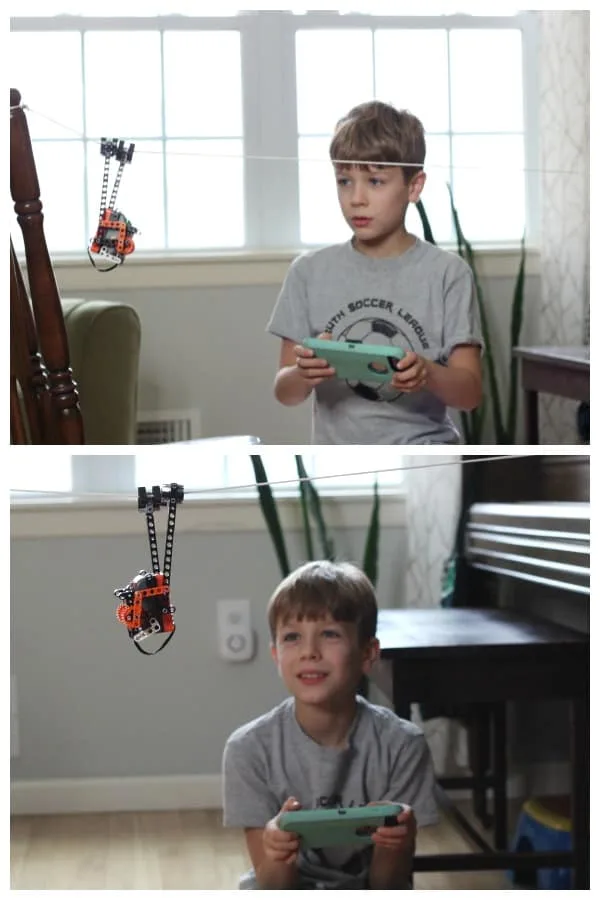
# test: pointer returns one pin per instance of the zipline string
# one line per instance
(290, 481)
(294, 159)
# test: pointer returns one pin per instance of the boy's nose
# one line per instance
(309, 649)
(358, 196)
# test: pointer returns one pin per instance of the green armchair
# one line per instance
(104, 344)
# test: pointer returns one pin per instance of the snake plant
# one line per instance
(504, 426)
(312, 520)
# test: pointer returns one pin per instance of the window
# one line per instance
(184, 186)
(203, 472)
(231, 116)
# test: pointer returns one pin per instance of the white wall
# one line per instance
(564, 125)
(204, 345)
(89, 705)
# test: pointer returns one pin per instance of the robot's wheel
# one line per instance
(125, 614)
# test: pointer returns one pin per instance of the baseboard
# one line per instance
(90, 795)
(95, 795)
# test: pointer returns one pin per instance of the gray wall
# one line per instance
(91, 706)
(184, 363)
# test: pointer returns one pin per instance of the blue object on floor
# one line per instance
(541, 828)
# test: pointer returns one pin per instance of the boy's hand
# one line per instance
(311, 367)
(281, 846)
(399, 838)
(411, 374)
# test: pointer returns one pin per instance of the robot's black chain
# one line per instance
(152, 540)
(124, 155)
(104, 186)
(169, 539)
(113, 196)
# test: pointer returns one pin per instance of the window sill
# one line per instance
(146, 270)
(76, 517)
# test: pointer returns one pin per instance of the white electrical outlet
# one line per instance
(236, 639)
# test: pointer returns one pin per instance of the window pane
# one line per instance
(321, 221)
(123, 90)
(59, 166)
(130, 9)
(29, 470)
(489, 186)
(486, 80)
(198, 469)
(141, 204)
(411, 72)
(409, 9)
(205, 194)
(355, 470)
(203, 98)
(331, 472)
(435, 196)
(190, 7)
(57, 94)
(334, 72)
(279, 466)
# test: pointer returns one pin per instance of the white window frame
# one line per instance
(272, 220)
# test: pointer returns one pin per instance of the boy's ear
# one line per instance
(371, 655)
(274, 656)
(416, 186)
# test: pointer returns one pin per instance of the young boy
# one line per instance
(384, 286)
(325, 746)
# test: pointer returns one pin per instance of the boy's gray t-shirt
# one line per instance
(423, 300)
(272, 758)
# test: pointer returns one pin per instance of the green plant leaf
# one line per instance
(270, 514)
(304, 504)
(314, 502)
(466, 248)
(427, 232)
(478, 419)
(466, 419)
(516, 324)
(371, 554)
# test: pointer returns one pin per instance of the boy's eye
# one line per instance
(343, 182)
(376, 181)
(289, 637)
(331, 633)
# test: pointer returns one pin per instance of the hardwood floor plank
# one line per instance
(178, 850)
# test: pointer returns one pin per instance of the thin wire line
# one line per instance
(321, 159)
(293, 481)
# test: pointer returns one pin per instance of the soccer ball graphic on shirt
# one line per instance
(372, 330)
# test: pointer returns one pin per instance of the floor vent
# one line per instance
(168, 426)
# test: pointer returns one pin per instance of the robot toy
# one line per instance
(145, 603)
(113, 240)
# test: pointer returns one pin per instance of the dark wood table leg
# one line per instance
(580, 792)
(500, 776)
(532, 435)
(478, 730)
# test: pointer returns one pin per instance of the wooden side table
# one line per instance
(563, 371)
(489, 657)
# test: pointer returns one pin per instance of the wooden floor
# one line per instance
(181, 850)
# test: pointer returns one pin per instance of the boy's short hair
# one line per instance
(317, 588)
(378, 132)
